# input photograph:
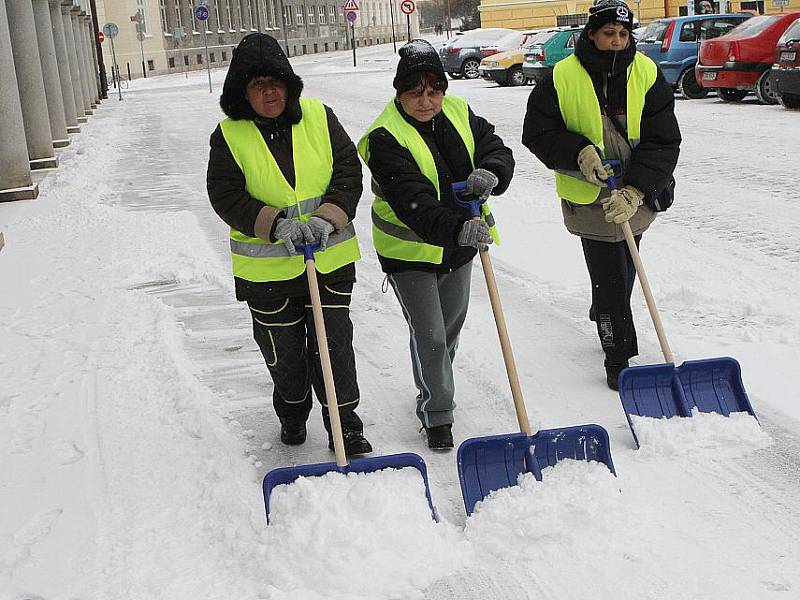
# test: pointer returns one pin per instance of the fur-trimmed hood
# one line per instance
(259, 55)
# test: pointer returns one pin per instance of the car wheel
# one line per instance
(789, 101)
(765, 89)
(689, 86)
(515, 76)
(731, 95)
(455, 75)
(470, 69)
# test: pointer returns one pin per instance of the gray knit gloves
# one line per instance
(291, 232)
(475, 234)
(592, 168)
(480, 183)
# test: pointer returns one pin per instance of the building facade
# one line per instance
(532, 14)
(173, 39)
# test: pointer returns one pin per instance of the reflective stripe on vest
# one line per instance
(581, 113)
(255, 259)
(393, 238)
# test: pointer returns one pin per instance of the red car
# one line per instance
(786, 70)
(740, 61)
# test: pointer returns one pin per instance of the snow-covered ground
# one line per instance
(135, 413)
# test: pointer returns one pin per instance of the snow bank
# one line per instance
(332, 535)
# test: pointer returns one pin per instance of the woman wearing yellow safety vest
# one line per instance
(607, 101)
(421, 144)
(283, 171)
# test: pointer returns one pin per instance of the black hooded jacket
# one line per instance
(260, 55)
(652, 162)
(413, 197)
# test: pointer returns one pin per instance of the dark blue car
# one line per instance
(673, 43)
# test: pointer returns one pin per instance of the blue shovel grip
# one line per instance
(307, 250)
(471, 203)
(612, 180)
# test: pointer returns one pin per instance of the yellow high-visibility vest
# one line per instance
(255, 259)
(581, 113)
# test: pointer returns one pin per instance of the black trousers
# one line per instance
(613, 274)
(284, 331)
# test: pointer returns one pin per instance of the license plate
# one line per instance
(788, 56)
(709, 76)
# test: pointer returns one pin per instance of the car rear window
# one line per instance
(754, 26)
(539, 38)
(479, 37)
(713, 28)
(793, 33)
(655, 32)
(509, 41)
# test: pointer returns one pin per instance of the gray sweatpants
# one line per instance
(435, 306)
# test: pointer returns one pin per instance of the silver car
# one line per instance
(461, 55)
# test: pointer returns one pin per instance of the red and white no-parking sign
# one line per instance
(408, 7)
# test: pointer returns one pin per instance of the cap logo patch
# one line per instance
(622, 12)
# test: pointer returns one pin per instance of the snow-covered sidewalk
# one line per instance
(135, 417)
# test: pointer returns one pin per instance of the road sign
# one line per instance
(101, 37)
(350, 5)
(351, 16)
(140, 36)
(111, 30)
(201, 13)
(408, 7)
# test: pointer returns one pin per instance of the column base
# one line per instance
(23, 193)
(61, 143)
(73, 129)
(83, 119)
(88, 111)
(44, 163)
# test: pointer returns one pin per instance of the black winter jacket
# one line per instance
(653, 160)
(413, 197)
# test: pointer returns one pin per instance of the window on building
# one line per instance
(190, 8)
(171, 61)
(311, 15)
(186, 60)
(241, 15)
(287, 16)
(332, 14)
(212, 57)
(754, 6)
(300, 17)
(178, 19)
(573, 19)
(321, 13)
(230, 15)
(199, 59)
(151, 65)
(216, 16)
(250, 14)
(162, 11)
(141, 10)
(224, 56)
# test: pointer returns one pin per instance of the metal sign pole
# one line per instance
(408, 24)
(391, 15)
(114, 58)
(208, 63)
(353, 40)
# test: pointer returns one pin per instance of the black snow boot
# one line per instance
(293, 433)
(613, 369)
(354, 443)
(440, 437)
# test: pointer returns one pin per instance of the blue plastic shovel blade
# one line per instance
(714, 385)
(287, 475)
(490, 463)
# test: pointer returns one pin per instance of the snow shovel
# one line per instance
(486, 464)
(664, 390)
(287, 475)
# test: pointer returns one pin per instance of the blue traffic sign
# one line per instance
(351, 16)
(201, 13)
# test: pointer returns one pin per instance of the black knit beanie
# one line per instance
(417, 56)
(609, 11)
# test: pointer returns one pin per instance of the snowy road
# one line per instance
(136, 420)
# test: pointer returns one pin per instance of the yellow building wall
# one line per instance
(534, 14)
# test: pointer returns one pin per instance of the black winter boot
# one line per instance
(354, 443)
(613, 369)
(440, 437)
(293, 433)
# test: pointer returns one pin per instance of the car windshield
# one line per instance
(655, 32)
(539, 38)
(510, 41)
(754, 26)
(793, 33)
(479, 37)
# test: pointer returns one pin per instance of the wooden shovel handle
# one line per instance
(325, 359)
(648, 294)
(505, 343)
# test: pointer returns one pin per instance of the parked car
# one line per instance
(786, 70)
(547, 48)
(673, 44)
(741, 61)
(461, 56)
(502, 62)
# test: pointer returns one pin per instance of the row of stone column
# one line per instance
(50, 84)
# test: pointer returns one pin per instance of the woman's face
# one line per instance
(267, 96)
(422, 103)
(611, 36)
